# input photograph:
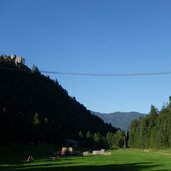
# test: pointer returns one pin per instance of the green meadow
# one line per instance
(14, 158)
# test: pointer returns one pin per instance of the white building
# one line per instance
(18, 59)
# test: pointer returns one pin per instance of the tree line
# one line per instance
(34, 108)
(153, 131)
(111, 140)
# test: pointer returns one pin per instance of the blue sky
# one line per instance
(95, 36)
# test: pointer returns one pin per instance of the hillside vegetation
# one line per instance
(34, 108)
(153, 131)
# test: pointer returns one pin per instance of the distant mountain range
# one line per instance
(119, 119)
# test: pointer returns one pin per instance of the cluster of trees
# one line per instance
(111, 140)
(153, 131)
(34, 108)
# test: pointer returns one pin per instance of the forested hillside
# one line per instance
(153, 131)
(34, 108)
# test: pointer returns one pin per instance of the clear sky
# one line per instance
(95, 36)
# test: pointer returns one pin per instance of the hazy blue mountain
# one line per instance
(119, 119)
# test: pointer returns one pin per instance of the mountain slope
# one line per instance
(35, 108)
(119, 119)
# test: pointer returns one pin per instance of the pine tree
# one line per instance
(36, 120)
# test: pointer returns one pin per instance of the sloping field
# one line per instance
(14, 158)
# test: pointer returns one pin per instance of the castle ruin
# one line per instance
(16, 59)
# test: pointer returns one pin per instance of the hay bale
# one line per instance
(64, 151)
(85, 153)
(146, 150)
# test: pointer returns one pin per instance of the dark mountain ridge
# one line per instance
(35, 108)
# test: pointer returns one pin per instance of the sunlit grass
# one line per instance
(13, 158)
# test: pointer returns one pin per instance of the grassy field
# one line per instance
(13, 158)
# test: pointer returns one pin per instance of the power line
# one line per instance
(108, 74)
(94, 74)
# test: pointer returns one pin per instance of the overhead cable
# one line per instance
(94, 74)
(107, 74)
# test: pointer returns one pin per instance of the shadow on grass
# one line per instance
(113, 167)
